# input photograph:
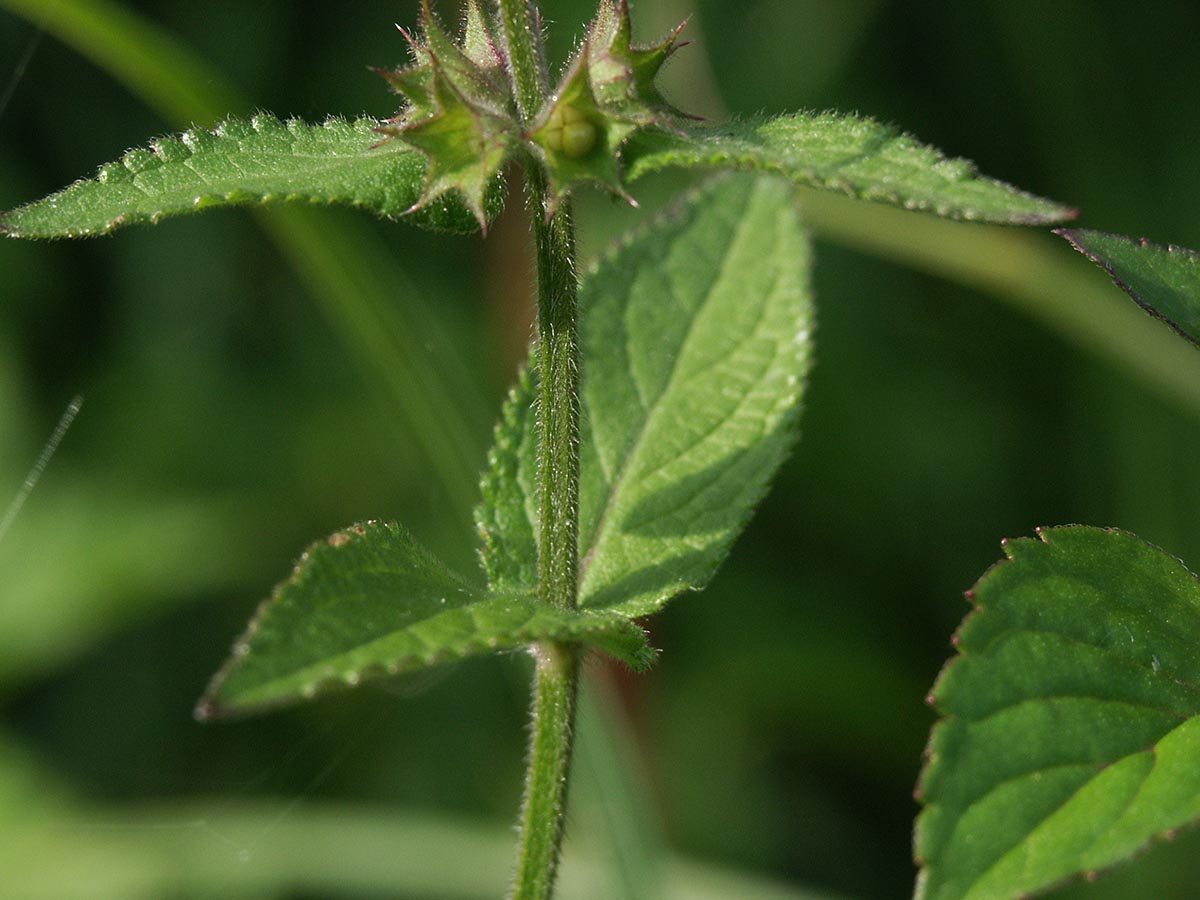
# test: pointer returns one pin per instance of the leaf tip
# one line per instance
(1073, 236)
(1066, 214)
(206, 709)
(644, 659)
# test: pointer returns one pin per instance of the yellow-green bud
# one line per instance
(570, 132)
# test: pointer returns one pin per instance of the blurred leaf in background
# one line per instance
(248, 394)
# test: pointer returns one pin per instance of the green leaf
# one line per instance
(508, 516)
(854, 155)
(696, 335)
(1164, 281)
(240, 162)
(1070, 736)
(370, 602)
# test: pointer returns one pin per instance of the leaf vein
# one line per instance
(625, 467)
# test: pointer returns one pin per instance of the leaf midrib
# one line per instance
(322, 164)
(460, 647)
(653, 412)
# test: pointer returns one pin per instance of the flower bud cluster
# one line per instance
(461, 114)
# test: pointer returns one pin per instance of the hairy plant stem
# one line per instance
(543, 813)
(557, 673)
(556, 680)
(558, 401)
(525, 54)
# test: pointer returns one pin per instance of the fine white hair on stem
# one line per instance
(39, 467)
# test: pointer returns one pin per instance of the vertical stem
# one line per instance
(556, 684)
(543, 813)
(558, 401)
(557, 677)
(525, 54)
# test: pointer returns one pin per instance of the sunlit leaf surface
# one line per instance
(240, 162)
(696, 333)
(850, 154)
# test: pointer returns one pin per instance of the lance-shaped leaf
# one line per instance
(370, 602)
(260, 160)
(696, 336)
(1070, 736)
(1164, 281)
(850, 154)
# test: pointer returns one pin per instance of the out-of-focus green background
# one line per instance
(236, 410)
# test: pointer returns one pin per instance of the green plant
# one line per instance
(733, 261)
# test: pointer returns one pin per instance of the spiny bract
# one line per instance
(461, 114)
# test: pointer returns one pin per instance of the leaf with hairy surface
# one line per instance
(696, 334)
(507, 517)
(1070, 730)
(370, 602)
(241, 162)
(850, 154)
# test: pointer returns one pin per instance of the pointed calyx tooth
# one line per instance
(482, 80)
(465, 147)
(415, 85)
(459, 111)
(479, 40)
(475, 69)
(623, 75)
(606, 95)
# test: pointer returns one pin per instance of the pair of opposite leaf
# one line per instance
(460, 111)
(462, 118)
(667, 483)
(264, 160)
